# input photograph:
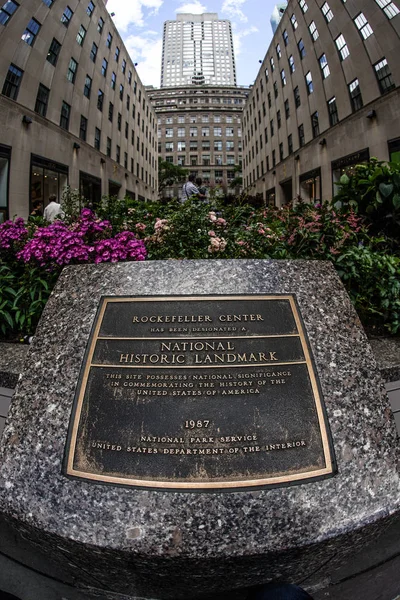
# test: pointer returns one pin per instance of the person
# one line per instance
(53, 209)
(278, 591)
(202, 189)
(190, 189)
(37, 210)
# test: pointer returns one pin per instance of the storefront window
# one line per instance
(5, 154)
(270, 197)
(90, 189)
(310, 186)
(346, 165)
(47, 178)
(394, 150)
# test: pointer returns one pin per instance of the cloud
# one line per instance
(238, 36)
(132, 12)
(234, 10)
(146, 51)
(195, 8)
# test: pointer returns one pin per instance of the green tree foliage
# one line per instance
(168, 174)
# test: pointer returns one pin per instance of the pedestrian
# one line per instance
(202, 189)
(53, 209)
(37, 209)
(189, 189)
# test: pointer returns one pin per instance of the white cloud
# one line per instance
(132, 12)
(233, 8)
(238, 37)
(146, 51)
(196, 8)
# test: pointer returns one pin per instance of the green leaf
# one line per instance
(344, 180)
(396, 201)
(386, 189)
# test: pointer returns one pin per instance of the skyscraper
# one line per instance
(277, 14)
(197, 49)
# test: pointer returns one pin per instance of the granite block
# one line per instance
(161, 544)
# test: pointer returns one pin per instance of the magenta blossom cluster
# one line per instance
(12, 232)
(87, 241)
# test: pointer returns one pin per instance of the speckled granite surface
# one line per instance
(387, 354)
(12, 359)
(160, 544)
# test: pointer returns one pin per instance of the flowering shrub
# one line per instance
(32, 256)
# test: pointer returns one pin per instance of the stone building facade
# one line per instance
(200, 129)
(326, 98)
(72, 109)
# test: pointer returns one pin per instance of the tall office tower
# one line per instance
(197, 49)
(277, 14)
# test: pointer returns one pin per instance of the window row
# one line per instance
(218, 146)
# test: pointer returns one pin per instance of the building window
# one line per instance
(363, 26)
(109, 40)
(7, 11)
(283, 77)
(117, 53)
(123, 66)
(205, 131)
(72, 68)
(129, 77)
(87, 87)
(342, 47)
(355, 95)
(388, 7)
(113, 80)
(273, 158)
(323, 63)
(42, 100)
(93, 52)
(64, 116)
(67, 16)
(169, 146)
(126, 161)
(128, 102)
(266, 75)
(48, 3)
(97, 138)
(90, 8)
(297, 100)
(104, 66)
(312, 28)
(290, 144)
(229, 132)
(119, 121)
(301, 135)
(121, 92)
(217, 131)
(100, 100)
(303, 6)
(287, 109)
(302, 50)
(108, 147)
(118, 153)
(285, 37)
(291, 64)
(110, 111)
(271, 62)
(279, 119)
(326, 11)
(181, 147)
(271, 127)
(309, 83)
(31, 31)
(80, 38)
(333, 111)
(315, 124)
(100, 25)
(54, 50)
(281, 151)
(83, 128)
(384, 76)
(278, 51)
(275, 89)
(269, 100)
(293, 21)
(169, 132)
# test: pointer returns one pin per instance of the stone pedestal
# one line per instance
(136, 542)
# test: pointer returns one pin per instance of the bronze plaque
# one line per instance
(199, 393)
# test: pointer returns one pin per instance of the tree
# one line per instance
(168, 174)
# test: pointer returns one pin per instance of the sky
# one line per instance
(140, 24)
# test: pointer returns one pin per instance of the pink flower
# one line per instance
(211, 233)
